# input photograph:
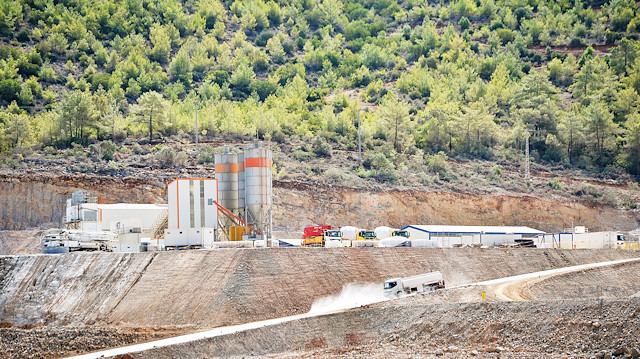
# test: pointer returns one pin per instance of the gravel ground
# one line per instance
(45, 342)
(529, 329)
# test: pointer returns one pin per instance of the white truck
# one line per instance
(415, 284)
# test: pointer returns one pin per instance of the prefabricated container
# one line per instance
(236, 232)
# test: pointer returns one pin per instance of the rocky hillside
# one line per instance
(37, 199)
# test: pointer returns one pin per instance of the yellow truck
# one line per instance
(365, 235)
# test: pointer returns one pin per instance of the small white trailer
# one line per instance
(415, 284)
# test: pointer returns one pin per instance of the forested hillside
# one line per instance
(431, 80)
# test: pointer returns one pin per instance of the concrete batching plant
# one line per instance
(245, 190)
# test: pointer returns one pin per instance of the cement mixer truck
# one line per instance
(417, 284)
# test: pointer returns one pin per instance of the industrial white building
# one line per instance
(445, 236)
(133, 224)
(193, 213)
(580, 238)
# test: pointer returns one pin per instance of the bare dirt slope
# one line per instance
(25, 241)
(204, 289)
(191, 290)
(38, 198)
(418, 326)
(302, 205)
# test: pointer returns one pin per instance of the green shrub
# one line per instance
(321, 148)
(220, 77)
(261, 40)
(181, 158)
(165, 157)
(464, 23)
(362, 173)
(50, 151)
(588, 189)
(505, 35)
(334, 174)
(112, 166)
(9, 90)
(137, 149)
(438, 163)
(104, 150)
(302, 156)
(206, 154)
(554, 184)
(263, 89)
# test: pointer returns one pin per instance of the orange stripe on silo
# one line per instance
(241, 167)
(227, 168)
(257, 162)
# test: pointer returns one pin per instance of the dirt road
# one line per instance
(515, 288)
(505, 289)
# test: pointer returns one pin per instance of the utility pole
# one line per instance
(196, 129)
(359, 140)
(527, 170)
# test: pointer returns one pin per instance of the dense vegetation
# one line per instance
(434, 79)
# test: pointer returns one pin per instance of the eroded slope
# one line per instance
(205, 289)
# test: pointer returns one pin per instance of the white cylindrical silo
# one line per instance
(258, 188)
(227, 175)
(241, 185)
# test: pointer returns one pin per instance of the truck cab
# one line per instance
(400, 233)
(332, 238)
(393, 288)
(366, 236)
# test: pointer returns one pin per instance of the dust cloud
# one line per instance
(353, 295)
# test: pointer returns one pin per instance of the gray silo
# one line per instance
(258, 188)
(227, 176)
(241, 186)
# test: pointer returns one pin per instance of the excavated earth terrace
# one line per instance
(59, 305)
